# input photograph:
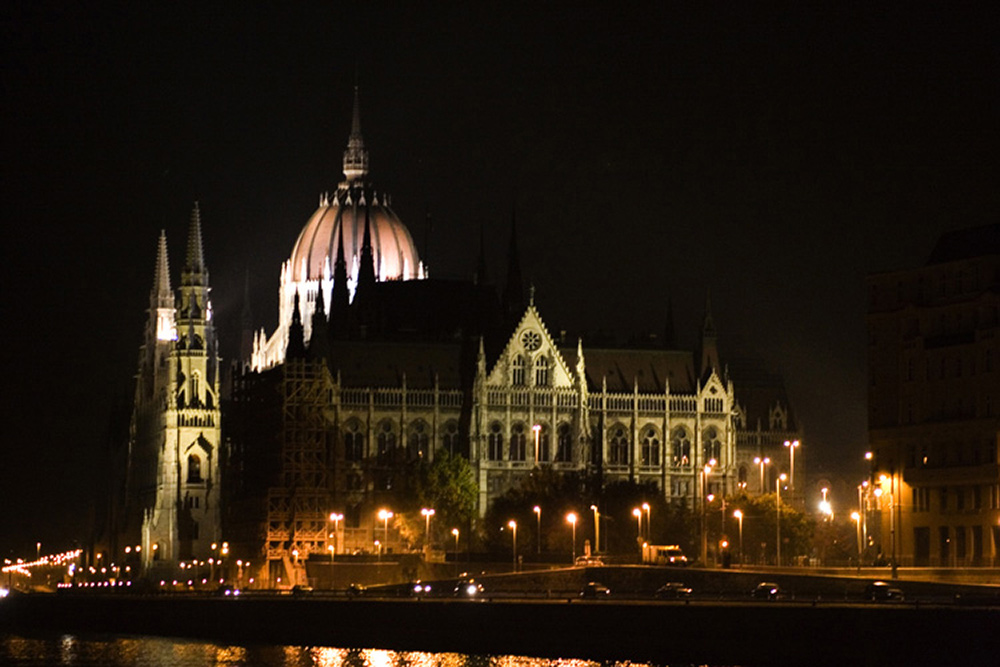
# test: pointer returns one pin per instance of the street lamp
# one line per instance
(637, 513)
(336, 519)
(761, 462)
(864, 504)
(427, 513)
(649, 522)
(454, 531)
(825, 508)
(704, 510)
(571, 518)
(791, 444)
(597, 528)
(513, 526)
(537, 428)
(538, 535)
(777, 509)
(384, 515)
(856, 516)
(738, 515)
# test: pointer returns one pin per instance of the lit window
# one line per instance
(194, 469)
(680, 444)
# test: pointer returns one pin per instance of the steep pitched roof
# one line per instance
(966, 243)
(758, 390)
(384, 363)
(651, 369)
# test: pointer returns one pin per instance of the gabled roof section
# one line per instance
(530, 338)
(758, 390)
(652, 370)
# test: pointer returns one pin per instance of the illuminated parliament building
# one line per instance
(375, 365)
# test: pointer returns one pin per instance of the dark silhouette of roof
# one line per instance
(966, 243)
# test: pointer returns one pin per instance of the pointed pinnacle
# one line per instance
(195, 255)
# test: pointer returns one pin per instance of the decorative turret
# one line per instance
(366, 271)
(355, 157)
(161, 298)
(319, 341)
(340, 298)
(296, 335)
(194, 272)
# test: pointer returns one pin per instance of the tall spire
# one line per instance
(366, 272)
(709, 347)
(161, 298)
(246, 322)
(195, 261)
(340, 297)
(319, 341)
(161, 278)
(513, 294)
(296, 335)
(355, 157)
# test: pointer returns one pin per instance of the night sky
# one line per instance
(774, 158)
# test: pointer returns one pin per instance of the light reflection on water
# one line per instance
(117, 651)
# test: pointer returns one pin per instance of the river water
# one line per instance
(131, 651)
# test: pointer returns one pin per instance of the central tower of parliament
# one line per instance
(376, 367)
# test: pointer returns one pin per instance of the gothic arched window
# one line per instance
(650, 447)
(517, 442)
(194, 469)
(386, 442)
(680, 444)
(542, 455)
(195, 394)
(417, 443)
(618, 446)
(495, 448)
(542, 371)
(517, 371)
(354, 442)
(711, 446)
(449, 440)
(564, 444)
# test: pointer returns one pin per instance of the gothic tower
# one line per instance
(173, 474)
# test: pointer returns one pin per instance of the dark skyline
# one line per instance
(775, 159)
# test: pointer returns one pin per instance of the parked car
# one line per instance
(589, 561)
(419, 589)
(300, 590)
(766, 590)
(225, 591)
(594, 590)
(882, 591)
(468, 588)
(357, 590)
(673, 590)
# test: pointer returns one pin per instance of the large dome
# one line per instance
(315, 251)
